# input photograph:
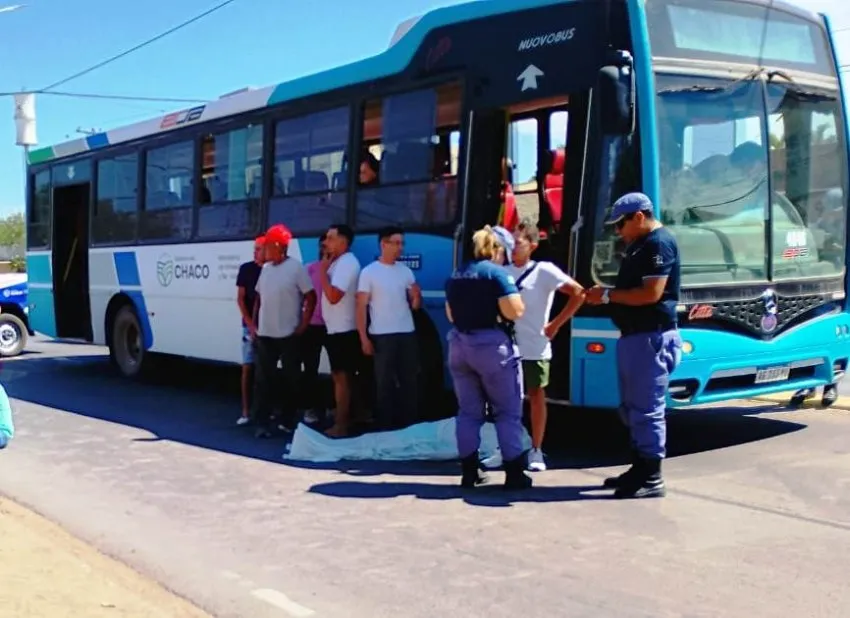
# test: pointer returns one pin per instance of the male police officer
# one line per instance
(643, 306)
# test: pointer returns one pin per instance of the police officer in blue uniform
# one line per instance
(643, 306)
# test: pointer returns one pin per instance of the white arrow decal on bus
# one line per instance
(529, 77)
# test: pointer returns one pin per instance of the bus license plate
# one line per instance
(773, 374)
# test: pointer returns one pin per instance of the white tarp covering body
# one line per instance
(434, 441)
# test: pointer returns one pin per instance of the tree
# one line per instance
(12, 238)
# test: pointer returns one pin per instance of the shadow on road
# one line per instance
(487, 496)
(198, 403)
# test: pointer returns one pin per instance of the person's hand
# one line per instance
(252, 331)
(551, 330)
(594, 295)
(302, 328)
(367, 347)
(325, 263)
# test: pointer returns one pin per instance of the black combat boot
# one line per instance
(616, 481)
(515, 476)
(646, 483)
(472, 475)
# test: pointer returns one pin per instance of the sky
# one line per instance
(248, 43)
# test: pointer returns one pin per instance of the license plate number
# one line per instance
(773, 374)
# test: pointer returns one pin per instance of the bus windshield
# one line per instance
(720, 168)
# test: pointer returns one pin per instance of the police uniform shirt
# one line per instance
(473, 294)
(655, 255)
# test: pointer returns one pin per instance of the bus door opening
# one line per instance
(522, 168)
(70, 261)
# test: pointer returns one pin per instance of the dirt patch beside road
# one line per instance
(47, 573)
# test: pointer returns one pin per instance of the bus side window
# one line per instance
(519, 191)
(116, 210)
(231, 176)
(169, 193)
(308, 187)
(407, 166)
(553, 175)
(38, 221)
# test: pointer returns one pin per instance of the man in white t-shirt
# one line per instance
(387, 294)
(537, 283)
(284, 305)
(339, 271)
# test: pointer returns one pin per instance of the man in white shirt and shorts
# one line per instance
(537, 283)
(339, 273)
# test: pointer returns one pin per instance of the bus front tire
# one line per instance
(126, 343)
(13, 335)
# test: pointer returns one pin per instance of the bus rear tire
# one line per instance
(13, 335)
(126, 343)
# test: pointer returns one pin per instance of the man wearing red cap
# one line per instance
(246, 284)
(285, 303)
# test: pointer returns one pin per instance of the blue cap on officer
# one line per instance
(505, 239)
(629, 204)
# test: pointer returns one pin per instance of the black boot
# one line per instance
(646, 483)
(472, 475)
(617, 481)
(515, 476)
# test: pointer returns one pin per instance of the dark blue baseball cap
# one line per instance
(629, 204)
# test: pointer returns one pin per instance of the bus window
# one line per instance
(309, 188)
(38, 221)
(520, 200)
(232, 185)
(169, 193)
(808, 173)
(408, 160)
(115, 210)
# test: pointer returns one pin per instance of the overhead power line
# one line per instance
(116, 97)
(137, 47)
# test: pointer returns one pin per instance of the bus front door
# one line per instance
(71, 261)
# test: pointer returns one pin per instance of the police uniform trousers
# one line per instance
(485, 367)
(644, 364)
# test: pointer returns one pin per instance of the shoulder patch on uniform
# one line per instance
(659, 260)
(511, 279)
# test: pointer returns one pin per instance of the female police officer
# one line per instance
(481, 301)
(643, 303)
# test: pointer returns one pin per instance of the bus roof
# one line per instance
(404, 44)
(393, 60)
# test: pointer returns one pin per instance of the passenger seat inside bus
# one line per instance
(554, 187)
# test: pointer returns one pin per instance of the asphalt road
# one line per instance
(756, 522)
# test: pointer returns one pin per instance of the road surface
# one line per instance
(756, 522)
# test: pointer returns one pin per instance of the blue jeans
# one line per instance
(644, 364)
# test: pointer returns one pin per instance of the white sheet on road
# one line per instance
(433, 441)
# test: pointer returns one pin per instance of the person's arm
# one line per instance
(576, 293)
(334, 287)
(414, 292)
(449, 313)
(241, 289)
(510, 302)
(305, 285)
(255, 321)
(364, 295)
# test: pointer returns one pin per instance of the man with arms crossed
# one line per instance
(339, 272)
(388, 291)
(246, 283)
(283, 309)
(537, 283)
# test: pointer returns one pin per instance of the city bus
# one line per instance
(728, 114)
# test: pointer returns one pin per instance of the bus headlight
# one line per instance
(687, 347)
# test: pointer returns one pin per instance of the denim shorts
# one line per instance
(247, 347)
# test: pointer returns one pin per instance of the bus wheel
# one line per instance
(126, 347)
(13, 335)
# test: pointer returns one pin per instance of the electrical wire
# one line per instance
(116, 97)
(137, 47)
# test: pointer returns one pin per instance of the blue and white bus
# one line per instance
(727, 113)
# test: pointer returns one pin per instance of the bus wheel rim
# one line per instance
(9, 337)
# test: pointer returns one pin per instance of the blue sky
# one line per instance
(248, 43)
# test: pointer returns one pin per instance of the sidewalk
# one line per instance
(47, 573)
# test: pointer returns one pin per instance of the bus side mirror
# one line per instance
(616, 90)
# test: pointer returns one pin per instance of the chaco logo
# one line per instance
(165, 270)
